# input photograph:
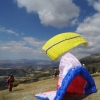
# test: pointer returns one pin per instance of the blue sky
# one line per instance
(25, 25)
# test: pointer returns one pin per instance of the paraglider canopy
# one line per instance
(73, 78)
(62, 43)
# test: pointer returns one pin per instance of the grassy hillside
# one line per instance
(92, 61)
(27, 91)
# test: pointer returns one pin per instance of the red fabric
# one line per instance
(10, 81)
(47, 90)
(10, 87)
(55, 71)
(77, 85)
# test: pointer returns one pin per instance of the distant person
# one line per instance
(93, 70)
(55, 72)
(10, 81)
(83, 65)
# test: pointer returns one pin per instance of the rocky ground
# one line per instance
(27, 91)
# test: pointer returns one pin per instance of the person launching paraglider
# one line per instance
(10, 81)
(73, 77)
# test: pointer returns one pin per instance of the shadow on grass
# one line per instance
(70, 96)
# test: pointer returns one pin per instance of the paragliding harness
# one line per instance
(10, 80)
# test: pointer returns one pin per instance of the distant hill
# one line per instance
(8, 71)
(92, 61)
(27, 62)
(23, 66)
(95, 58)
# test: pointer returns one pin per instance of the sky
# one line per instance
(26, 25)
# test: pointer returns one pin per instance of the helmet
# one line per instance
(11, 74)
(83, 64)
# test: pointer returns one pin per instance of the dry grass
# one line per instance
(27, 91)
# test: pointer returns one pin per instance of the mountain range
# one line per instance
(27, 62)
(92, 60)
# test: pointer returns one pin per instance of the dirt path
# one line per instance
(27, 91)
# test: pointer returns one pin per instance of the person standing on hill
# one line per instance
(55, 72)
(83, 65)
(10, 81)
(93, 70)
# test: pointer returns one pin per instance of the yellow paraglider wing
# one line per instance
(62, 43)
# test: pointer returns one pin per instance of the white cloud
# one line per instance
(26, 45)
(33, 41)
(57, 13)
(95, 4)
(3, 29)
(91, 2)
(90, 26)
(90, 30)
